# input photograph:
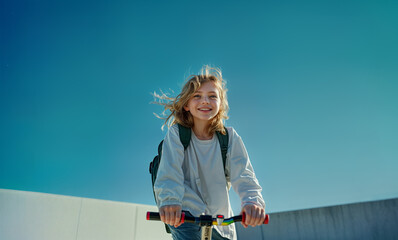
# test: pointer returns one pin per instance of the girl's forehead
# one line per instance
(208, 87)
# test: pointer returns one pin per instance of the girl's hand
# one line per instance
(171, 214)
(255, 215)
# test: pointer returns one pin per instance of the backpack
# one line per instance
(185, 138)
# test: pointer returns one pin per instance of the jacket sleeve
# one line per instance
(169, 188)
(242, 176)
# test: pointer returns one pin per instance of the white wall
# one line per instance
(39, 216)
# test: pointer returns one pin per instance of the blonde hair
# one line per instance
(176, 105)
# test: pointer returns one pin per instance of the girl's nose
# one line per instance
(205, 99)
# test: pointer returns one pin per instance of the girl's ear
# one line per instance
(186, 108)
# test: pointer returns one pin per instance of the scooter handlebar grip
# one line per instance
(152, 216)
(156, 216)
(182, 217)
(266, 220)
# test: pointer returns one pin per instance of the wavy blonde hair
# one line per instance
(194, 82)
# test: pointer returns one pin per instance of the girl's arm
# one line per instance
(244, 181)
(169, 188)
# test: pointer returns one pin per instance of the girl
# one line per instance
(193, 180)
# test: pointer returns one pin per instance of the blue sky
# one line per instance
(312, 92)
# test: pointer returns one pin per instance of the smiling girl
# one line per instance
(193, 180)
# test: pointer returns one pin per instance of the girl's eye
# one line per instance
(196, 96)
(213, 96)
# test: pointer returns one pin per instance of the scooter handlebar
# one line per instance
(240, 218)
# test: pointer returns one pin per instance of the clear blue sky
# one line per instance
(312, 89)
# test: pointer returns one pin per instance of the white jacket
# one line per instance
(195, 178)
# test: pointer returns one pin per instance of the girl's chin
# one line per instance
(202, 118)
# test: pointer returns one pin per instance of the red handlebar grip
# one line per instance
(182, 217)
(152, 216)
(266, 220)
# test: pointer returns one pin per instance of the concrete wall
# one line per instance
(369, 220)
(38, 216)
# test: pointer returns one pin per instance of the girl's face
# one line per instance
(205, 103)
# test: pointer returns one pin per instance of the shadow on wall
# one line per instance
(369, 220)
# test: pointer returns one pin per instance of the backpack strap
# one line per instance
(223, 139)
(185, 135)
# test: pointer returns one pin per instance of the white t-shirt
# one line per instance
(195, 178)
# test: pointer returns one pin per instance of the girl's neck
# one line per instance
(201, 131)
